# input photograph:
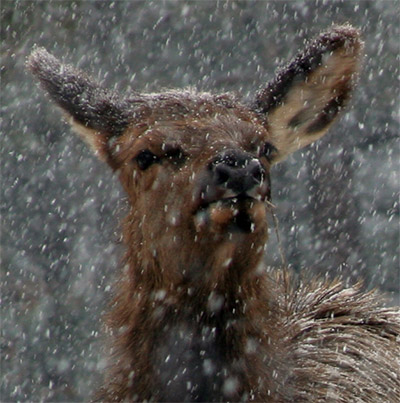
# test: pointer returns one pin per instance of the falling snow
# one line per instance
(337, 201)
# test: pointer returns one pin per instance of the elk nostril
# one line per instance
(257, 173)
(222, 174)
(239, 173)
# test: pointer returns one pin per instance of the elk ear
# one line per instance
(305, 97)
(95, 113)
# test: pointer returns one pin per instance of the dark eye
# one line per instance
(269, 151)
(145, 159)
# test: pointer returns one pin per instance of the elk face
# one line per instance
(196, 166)
(199, 180)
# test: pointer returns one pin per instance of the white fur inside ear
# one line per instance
(95, 139)
(291, 122)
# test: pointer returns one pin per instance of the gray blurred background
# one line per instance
(338, 203)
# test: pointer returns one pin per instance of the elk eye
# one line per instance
(145, 159)
(269, 151)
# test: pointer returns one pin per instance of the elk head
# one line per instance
(195, 166)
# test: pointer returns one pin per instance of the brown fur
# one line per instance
(195, 315)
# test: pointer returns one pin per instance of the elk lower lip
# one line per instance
(241, 220)
(239, 202)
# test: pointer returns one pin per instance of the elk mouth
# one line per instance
(231, 214)
(242, 220)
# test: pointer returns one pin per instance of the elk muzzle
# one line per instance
(232, 193)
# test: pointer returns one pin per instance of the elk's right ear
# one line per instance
(301, 103)
(94, 112)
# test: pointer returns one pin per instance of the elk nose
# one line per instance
(237, 171)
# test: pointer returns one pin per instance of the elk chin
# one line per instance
(231, 234)
(239, 215)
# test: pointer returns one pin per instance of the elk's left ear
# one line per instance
(96, 113)
(304, 99)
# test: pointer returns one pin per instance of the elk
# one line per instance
(195, 314)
